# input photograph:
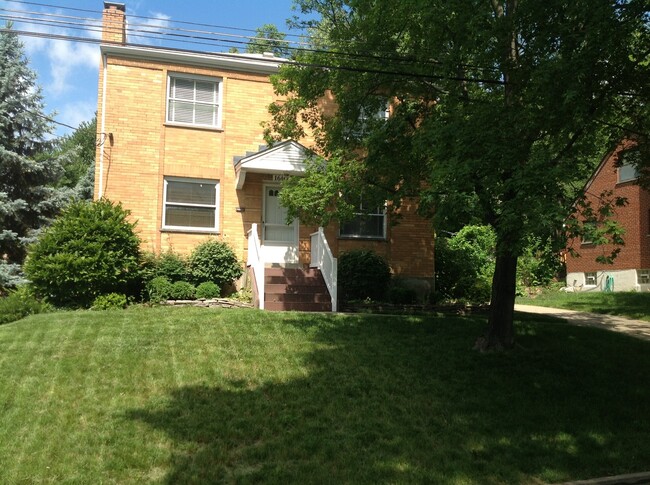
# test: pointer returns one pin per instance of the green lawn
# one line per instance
(626, 304)
(183, 395)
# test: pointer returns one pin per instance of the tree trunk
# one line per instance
(501, 333)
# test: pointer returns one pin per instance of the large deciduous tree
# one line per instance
(27, 198)
(499, 110)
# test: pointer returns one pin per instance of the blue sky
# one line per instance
(67, 71)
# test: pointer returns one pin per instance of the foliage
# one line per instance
(465, 264)
(112, 301)
(268, 39)
(27, 201)
(214, 261)
(76, 154)
(401, 295)
(539, 262)
(91, 249)
(10, 276)
(159, 289)
(20, 303)
(182, 290)
(362, 274)
(169, 264)
(208, 290)
(500, 110)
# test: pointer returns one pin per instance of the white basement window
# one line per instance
(591, 279)
(190, 204)
(193, 100)
(643, 276)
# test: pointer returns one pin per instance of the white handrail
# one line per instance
(256, 261)
(323, 259)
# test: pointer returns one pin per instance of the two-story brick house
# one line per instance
(631, 268)
(181, 146)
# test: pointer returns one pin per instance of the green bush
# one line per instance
(91, 249)
(208, 290)
(159, 289)
(214, 261)
(112, 301)
(182, 290)
(169, 264)
(402, 296)
(362, 274)
(20, 303)
(465, 264)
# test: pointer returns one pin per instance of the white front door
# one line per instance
(279, 239)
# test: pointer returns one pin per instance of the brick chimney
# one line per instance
(114, 23)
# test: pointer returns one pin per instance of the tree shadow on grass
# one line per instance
(405, 400)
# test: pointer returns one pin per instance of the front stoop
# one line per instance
(295, 289)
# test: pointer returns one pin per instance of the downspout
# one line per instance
(100, 192)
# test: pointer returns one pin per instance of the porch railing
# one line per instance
(256, 262)
(323, 259)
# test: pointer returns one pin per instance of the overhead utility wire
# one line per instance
(274, 60)
(252, 38)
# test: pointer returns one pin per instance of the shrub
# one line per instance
(91, 249)
(169, 264)
(20, 303)
(465, 264)
(214, 261)
(112, 301)
(10, 276)
(159, 289)
(182, 290)
(402, 296)
(208, 290)
(362, 274)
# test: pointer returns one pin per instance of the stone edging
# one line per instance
(211, 303)
(630, 479)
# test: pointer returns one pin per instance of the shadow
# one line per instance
(404, 400)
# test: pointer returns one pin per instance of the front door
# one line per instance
(279, 239)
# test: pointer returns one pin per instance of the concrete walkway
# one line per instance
(636, 328)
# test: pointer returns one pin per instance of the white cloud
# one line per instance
(148, 28)
(75, 112)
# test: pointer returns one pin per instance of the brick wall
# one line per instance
(635, 218)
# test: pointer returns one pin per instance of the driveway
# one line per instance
(636, 328)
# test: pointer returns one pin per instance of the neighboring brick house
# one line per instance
(631, 268)
(181, 147)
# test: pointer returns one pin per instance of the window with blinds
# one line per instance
(193, 101)
(191, 204)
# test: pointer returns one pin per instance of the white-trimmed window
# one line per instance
(643, 276)
(370, 224)
(628, 170)
(194, 100)
(191, 204)
(591, 278)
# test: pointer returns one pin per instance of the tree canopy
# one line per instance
(268, 39)
(499, 111)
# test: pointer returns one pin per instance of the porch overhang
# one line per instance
(286, 158)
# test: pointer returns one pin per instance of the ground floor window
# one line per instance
(590, 279)
(643, 276)
(367, 223)
(190, 204)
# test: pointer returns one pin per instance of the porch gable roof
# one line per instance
(286, 158)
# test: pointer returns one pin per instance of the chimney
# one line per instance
(114, 23)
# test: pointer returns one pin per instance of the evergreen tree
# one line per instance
(268, 39)
(27, 199)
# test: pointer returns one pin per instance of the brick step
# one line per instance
(279, 306)
(284, 288)
(294, 280)
(298, 297)
(292, 272)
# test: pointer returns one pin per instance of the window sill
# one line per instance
(190, 230)
(171, 124)
(363, 238)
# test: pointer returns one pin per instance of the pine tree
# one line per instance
(27, 198)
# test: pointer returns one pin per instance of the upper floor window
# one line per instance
(627, 170)
(194, 100)
(191, 204)
(367, 223)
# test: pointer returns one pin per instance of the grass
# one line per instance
(634, 305)
(188, 395)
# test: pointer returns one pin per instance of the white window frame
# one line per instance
(218, 82)
(212, 230)
(364, 214)
(643, 276)
(588, 277)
